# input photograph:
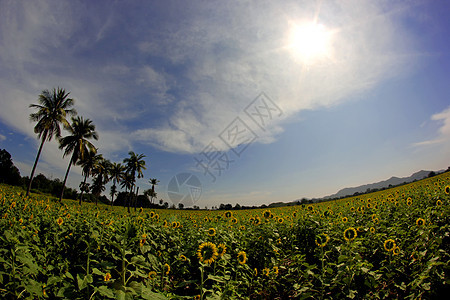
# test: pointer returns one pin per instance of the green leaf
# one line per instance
(97, 272)
(105, 291)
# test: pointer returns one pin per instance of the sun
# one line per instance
(310, 42)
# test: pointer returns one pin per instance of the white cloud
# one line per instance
(221, 56)
(231, 63)
(443, 133)
(2, 138)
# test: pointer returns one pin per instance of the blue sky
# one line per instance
(175, 79)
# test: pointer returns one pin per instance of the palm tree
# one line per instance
(153, 182)
(135, 163)
(52, 109)
(116, 173)
(77, 143)
(101, 171)
(87, 166)
(127, 183)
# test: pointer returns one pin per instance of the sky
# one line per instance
(248, 102)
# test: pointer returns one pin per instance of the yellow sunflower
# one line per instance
(344, 220)
(211, 232)
(447, 189)
(266, 213)
(420, 222)
(107, 277)
(396, 250)
(167, 269)
(207, 253)
(275, 270)
(372, 230)
(242, 257)
(152, 274)
(350, 234)
(322, 240)
(59, 221)
(228, 214)
(438, 202)
(182, 257)
(221, 249)
(389, 245)
(266, 271)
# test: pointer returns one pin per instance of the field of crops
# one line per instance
(390, 244)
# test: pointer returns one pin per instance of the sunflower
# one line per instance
(350, 234)
(167, 269)
(275, 270)
(256, 272)
(447, 189)
(242, 257)
(438, 202)
(207, 252)
(107, 277)
(221, 249)
(372, 230)
(59, 221)
(266, 213)
(420, 222)
(409, 201)
(266, 271)
(242, 227)
(228, 214)
(152, 274)
(234, 221)
(280, 220)
(396, 250)
(389, 245)
(322, 240)
(211, 232)
(344, 220)
(257, 220)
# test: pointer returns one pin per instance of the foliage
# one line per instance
(9, 173)
(386, 245)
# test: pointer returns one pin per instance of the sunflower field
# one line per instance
(385, 245)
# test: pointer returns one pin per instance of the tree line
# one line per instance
(51, 117)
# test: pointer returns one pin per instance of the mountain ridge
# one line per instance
(393, 181)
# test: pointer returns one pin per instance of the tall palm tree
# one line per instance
(77, 143)
(51, 112)
(153, 182)
(116, 173)
(87, 166)
(127, 183)
(101, 173)
(135, 163)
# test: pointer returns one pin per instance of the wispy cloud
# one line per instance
(2, 138)
(443, 133)
(176, 84)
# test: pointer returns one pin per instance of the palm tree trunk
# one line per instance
(35, 162)
(112, 196)
(82, 190)
(128, 199)
(135, 197)
(65, 179)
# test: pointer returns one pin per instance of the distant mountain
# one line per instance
(382, 184)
